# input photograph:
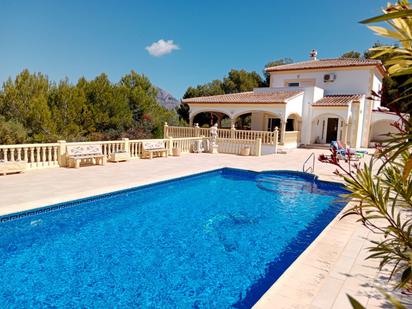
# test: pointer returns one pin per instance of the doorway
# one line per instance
(273, 123)
(332, 130)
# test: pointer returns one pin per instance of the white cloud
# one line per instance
(161, 48)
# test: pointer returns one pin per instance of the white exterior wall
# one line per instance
(346, 82)
(376, 87)
(295, 106)
(368, 106)
(381, 124)
(312, 94)
(355, 122)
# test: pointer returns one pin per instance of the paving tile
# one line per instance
(328, 293)
(279, 302)
(359, 286)
(342, 301)
(322, 256)
(353, 247)
(342, 268)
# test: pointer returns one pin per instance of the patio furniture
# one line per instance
(206, 145)
(7, 167)
(119, 156)
(89, 153)
(197, 146)
(346, 153)
(153, 148)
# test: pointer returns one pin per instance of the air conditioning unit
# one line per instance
(329, 78)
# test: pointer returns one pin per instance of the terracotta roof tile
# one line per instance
(246, 97)
(327, 63)
(337, 100)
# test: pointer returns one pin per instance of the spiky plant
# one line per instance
(381, 191)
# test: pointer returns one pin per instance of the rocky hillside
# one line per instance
(166, 99)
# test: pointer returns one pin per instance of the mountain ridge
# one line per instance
(166, 100)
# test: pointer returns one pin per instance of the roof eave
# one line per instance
(380, 68)
(242, 102)
(330, 105)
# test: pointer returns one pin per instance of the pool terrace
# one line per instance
(332, 266)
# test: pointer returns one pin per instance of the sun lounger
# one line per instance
(346, 153)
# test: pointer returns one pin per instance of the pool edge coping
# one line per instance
(272, 295)
(115, 190)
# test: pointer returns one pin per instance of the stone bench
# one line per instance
(151, 148)
(7, 167)
(79, 153)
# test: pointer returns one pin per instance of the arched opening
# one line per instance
(327, 128)
(292, 134)
(208, 119)
(244, 122)
(293, 122)
(381, 129)
(257, 121)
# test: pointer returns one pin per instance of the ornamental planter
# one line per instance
(245, 151)
(176, 152)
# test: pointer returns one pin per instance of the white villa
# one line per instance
(311, 102)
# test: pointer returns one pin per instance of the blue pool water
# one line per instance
(213, 240)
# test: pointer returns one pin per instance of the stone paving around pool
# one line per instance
(333, 266)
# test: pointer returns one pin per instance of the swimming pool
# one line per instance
(212, 240)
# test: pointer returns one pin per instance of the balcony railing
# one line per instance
(179, 132)
(54, 154)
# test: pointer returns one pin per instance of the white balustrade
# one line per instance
(234, 146)
(35, 155)
(180, 132)
(185, 144)
(183, 132)
(135, 148)
(53, 154)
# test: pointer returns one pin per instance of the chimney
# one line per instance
(313, 54)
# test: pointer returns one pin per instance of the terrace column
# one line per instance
(258, 147)
(232, 123)
(165, 130)
(61, 154)
(345, 133)
(219, 120)
(276, 141)
(169, 144)
(126, 144)
(282, 131)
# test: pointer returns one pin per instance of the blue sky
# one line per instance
(77, 38)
